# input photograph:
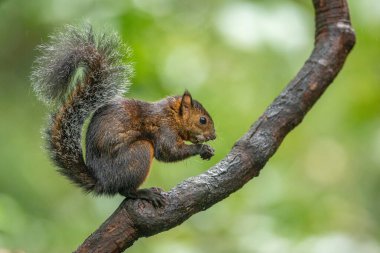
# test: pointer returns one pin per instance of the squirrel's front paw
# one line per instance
(206, 152)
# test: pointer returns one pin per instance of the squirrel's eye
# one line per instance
(202, 120)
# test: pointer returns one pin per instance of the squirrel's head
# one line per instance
(198, 126)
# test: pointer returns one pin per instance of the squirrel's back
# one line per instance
(77, 72)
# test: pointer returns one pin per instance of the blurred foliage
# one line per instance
(319, 193)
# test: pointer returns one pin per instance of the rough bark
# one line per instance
(334, 38)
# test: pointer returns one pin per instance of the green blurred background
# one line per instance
(319, 193)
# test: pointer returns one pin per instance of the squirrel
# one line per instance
(80, 75)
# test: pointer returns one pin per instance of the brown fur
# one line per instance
(124, 136)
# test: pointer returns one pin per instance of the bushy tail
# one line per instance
(77, 72)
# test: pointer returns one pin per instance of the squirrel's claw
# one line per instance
(207, 152)
(153, 195)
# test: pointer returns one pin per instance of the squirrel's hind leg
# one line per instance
(138, 157)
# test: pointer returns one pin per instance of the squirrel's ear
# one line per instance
(186, 103)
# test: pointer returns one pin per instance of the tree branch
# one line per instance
(133, 219)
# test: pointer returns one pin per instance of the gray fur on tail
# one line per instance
(78, 71)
